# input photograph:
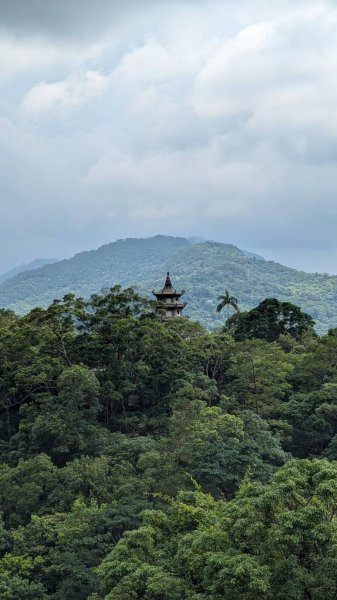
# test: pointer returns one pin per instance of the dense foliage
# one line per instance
(152, 460)
(269, 321)
(200, 268)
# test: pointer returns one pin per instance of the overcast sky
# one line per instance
(188, 117)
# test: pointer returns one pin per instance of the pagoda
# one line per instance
(168, 304)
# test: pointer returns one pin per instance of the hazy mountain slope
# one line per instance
(124, 261)
(35, 264)
(252, 254)
(204, 270)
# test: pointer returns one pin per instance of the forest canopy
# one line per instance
(156, 460)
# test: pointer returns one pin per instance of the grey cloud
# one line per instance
(220, 123)
(65, 18)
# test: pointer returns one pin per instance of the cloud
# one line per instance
(66, 19)
(277, 80)
(62, 96)
(211, 118)
(149, 63)
(19, 55)
(235, 66)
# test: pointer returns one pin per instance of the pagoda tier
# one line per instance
(169, 304)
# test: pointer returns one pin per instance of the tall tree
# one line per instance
(269, 320)
(227, 300)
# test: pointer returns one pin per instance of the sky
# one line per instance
(181, 117)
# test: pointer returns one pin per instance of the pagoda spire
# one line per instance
(168, 283)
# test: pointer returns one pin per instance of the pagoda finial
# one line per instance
(168, 283)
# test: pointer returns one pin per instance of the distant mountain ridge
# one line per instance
(252, 254)
(204, 269)
(126, 261)
(34, 264)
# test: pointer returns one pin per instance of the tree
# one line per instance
(272, 542)
(122, 435)
(259, 376)
(216, 448)
(58, 551)
(269, 320)
(63, 426)
(26, 488)
(227, 300)
(313, 418)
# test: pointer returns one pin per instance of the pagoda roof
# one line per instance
(168, 292)
(168, 289)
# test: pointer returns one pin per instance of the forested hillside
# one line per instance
(125, 262)
(35, 264)
(142, 459)
(203, 269)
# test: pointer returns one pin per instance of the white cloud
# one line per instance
(252, 39)
(18, 55)
(150, 63)
(62, 96)
(276, 72)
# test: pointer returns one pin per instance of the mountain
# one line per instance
(35, 264)
(126, 261)
(203, 269)
(252, 254)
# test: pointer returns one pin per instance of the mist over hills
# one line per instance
(204, 269)
(35, 264)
